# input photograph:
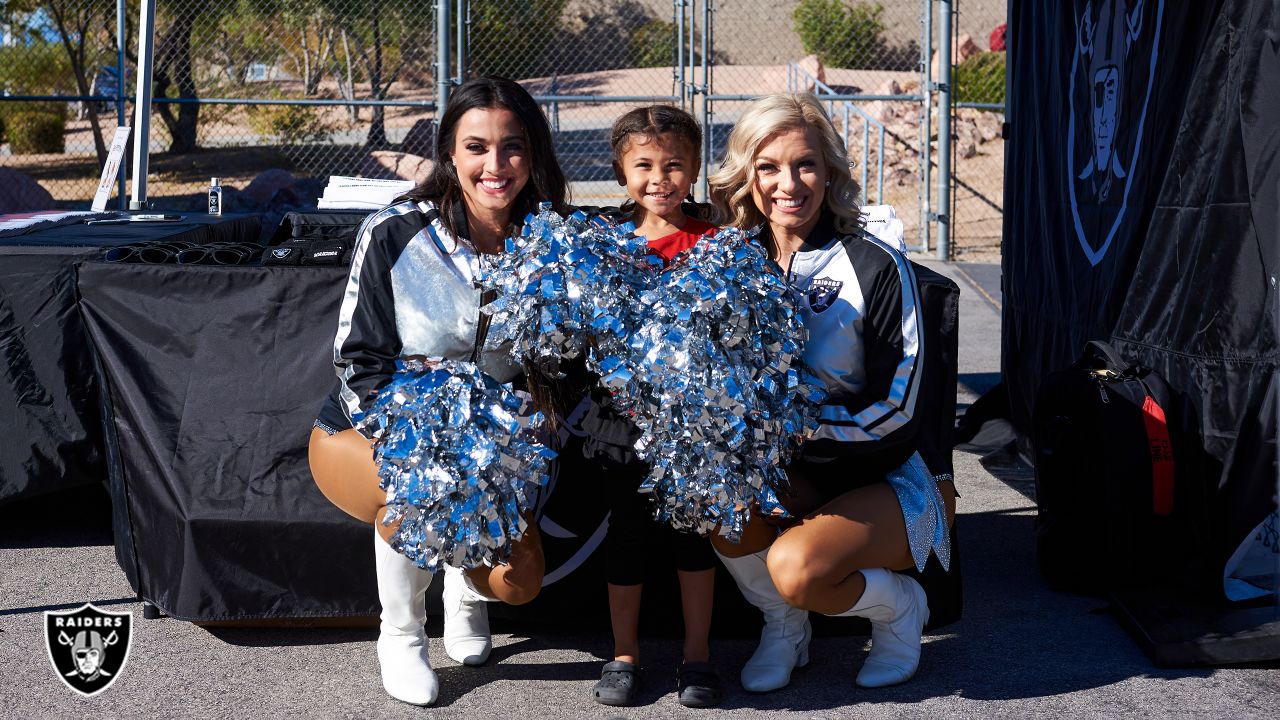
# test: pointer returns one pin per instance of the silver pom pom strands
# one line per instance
(719, 389)
(567, 286)
(459, 457)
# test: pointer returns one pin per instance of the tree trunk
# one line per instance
(75, 54)
(377, 126)
(173, 59)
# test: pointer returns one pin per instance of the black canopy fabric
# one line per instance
(1079, 197)
(1201, 306)
(1142, 181)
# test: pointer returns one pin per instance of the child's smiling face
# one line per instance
(658, 172)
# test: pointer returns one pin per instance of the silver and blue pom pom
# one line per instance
(566, 287)
(719, 390)
(460, 459)
(705, 356)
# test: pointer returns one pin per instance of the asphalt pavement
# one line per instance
(1020, 650)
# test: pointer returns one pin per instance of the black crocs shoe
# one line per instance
(619, 682)
(698, 685)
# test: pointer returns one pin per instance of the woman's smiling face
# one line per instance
(789, 179)
(491, 158)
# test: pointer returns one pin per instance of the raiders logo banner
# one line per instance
(88, 647)
(1097, 92)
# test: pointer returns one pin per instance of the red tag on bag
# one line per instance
(1161, 456)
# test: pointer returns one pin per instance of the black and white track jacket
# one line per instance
(861, 303)
(411, 291)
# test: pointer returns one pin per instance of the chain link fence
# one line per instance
(323, 87)
(863, 58)
(977, 165)
(587, 62)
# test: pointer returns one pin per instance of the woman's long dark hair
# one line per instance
(546, 180)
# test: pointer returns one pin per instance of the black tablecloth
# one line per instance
(48, 395)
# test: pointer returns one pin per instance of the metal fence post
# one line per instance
(926, 123)
(707, 128)
(120, 80)
(142, 105)
(462, 21)
(442, 56)
(681, 89)
(944, 129)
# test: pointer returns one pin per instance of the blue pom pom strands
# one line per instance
(567, 286)
(459, 456)
(719, 390)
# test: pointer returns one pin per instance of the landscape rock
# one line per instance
(812, 65)
(988, 126)
(965, 48)
(19, 193)
(392, 165)
(268, 182)
(421, 138)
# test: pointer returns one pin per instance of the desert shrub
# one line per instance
(515, 39)
(289, 124)
(653, 44)
(36, 132)
(36, 68)
(980, 79)
(841, 35)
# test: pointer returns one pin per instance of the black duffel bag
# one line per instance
(1111, 512)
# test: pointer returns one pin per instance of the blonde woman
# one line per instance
(866, 509)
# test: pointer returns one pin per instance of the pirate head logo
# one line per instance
(1112, 72)
(823, 293)
(88, 647)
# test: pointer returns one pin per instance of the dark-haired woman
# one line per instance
(412, 291)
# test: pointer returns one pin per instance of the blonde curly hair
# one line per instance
(768, 116)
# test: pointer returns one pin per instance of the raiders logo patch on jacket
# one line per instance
(823, 293)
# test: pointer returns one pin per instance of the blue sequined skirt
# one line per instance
(923, 511)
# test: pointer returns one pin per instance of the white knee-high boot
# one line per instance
(466, 619)
(784, 640)
(898, 609)
(402, 642)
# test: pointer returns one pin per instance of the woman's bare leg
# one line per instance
(757, 535)
(518, 580)
(343, 467)
(815, 564)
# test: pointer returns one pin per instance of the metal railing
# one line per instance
(796, 74)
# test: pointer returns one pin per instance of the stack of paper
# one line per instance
(355, 193)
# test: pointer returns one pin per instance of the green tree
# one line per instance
(515, 39)
(383, 38)
(841, 35)
(81, 28)
(653, 44)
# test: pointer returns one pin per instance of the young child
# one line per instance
(655, 156)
